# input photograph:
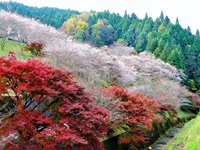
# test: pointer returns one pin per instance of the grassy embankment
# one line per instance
(188, 138)
(16, 47)
(21, 55)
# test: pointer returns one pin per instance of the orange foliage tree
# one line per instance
(44, 108)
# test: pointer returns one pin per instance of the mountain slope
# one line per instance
(96, 68)
(93, 66)
(167, 41)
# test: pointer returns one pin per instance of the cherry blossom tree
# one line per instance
(81, 58)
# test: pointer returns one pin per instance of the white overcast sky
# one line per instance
(188, 12)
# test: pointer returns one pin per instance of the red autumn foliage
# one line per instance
(35, 48)
(139, 112)
(44, 108)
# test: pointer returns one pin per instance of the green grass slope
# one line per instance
(188, 138)
(16, 47)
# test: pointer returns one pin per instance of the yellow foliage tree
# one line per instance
(70, 26)
(82, 26)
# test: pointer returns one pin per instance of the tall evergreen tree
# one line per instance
(130, 36)
(133, 16)
(160, 48)
(192, 58)
(152, 45)
(176, 59)
(177, 21)
(146, 16)
(166, 37)
(167, 20)
(141, 42)
(166, 52)
(126, 22)
(161, 16)
(189, 30)
(197, 33)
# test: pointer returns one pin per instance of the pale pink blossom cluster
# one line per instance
(147, 64)
(91, 63)
(164, 90)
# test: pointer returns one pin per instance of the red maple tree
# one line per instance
(43, 108)
(138, 113)
(35, 48)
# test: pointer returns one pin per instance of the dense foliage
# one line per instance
(43, 108)
(165, 40)
(86, 61)
(137, 113)
(50, 103)
(51, 16)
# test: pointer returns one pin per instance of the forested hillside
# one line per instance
(43, 105)
(50, 16)
(166, 40)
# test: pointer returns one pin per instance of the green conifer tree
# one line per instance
(176, 59)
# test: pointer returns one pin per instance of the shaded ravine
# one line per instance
(169, 134)
(166, 138)
(158, 137)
